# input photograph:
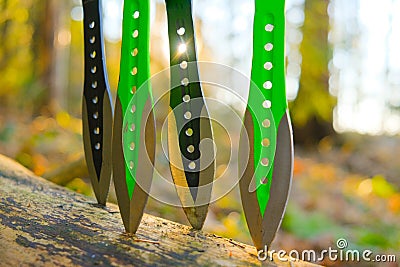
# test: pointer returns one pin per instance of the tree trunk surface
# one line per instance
(42, 224)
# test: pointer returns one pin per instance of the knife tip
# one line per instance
(196, 216)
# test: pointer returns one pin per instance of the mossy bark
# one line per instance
(42, 224)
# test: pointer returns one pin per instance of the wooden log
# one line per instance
(43, 224)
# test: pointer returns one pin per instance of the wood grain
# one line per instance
(42, 224)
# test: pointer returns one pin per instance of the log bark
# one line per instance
(43, 224)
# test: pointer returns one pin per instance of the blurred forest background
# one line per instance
(343, 83)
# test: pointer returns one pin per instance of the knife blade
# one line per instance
(97, 111)
(134, 132)
(192, 165)
(267, 173)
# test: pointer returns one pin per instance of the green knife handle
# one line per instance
(133, 88)
(267, 123)
(134, 131)
(268, 67)
(268, 76)
(135, 51)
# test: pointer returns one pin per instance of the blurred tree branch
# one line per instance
(312, 111)
(67, 172)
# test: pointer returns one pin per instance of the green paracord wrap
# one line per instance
(133, 88)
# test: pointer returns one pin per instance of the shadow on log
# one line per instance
(42, 224)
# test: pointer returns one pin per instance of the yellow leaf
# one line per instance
(63, 119)
(381, 187)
